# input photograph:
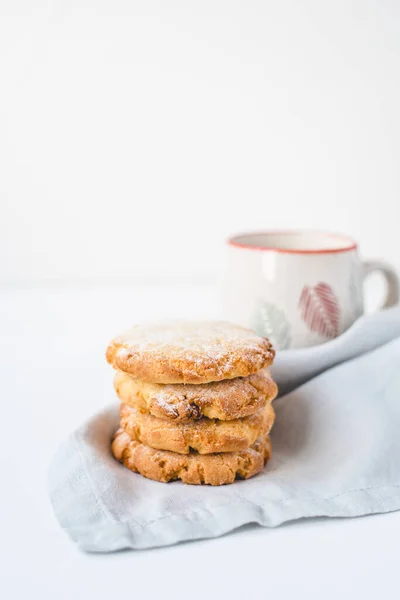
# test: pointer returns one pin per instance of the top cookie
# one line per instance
(189, 352)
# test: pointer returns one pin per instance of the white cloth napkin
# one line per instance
(336, 453)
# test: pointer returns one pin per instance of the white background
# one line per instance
(136, 135)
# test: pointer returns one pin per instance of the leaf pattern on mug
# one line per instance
(319, 309)
(270, 321)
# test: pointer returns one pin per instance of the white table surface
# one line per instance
(53, 375)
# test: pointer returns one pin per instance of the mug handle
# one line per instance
(392, 280)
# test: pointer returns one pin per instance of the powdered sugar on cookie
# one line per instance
(189, 352)
(225, 400)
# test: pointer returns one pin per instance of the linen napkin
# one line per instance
(336, 453)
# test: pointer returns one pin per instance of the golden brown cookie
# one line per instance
(206, 436)
(189, 352)
(214, 469)
(224, 400)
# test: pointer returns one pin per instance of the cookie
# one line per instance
(189, 352)
(224, 400)
(205, 436)
(194, 468)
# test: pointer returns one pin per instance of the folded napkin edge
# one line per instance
(130, 535)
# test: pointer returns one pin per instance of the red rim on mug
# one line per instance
(252, 241)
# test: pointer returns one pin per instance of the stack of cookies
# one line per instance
(195, 401)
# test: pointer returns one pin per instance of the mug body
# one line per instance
(297, 288)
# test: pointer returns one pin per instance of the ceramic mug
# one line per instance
(298, 288)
